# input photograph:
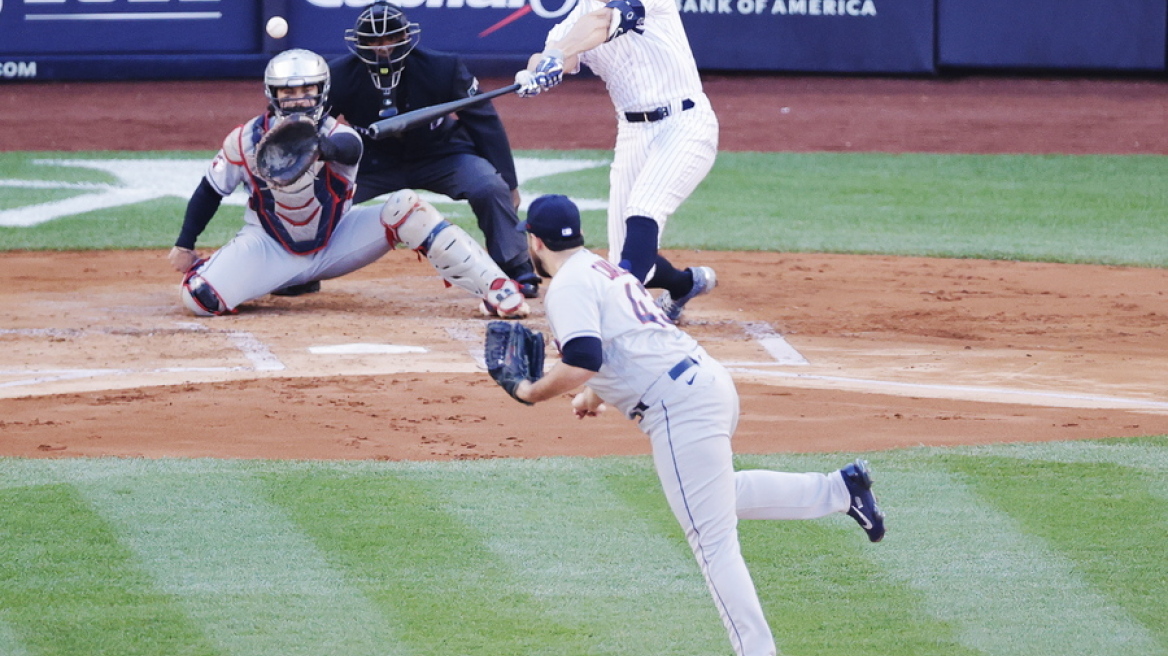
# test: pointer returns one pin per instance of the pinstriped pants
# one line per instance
(657, 165)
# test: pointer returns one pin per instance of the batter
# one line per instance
(296, 235)
(667, 133)
(613, 339)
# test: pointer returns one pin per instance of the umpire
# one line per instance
(465, 157)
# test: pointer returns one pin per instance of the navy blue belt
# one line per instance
(656, 114)
(674, 373)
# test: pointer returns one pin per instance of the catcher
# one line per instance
(298, 167)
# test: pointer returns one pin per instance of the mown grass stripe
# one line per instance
(823, 586)
(69, 585)
(239, 566)
(591, 559)
(446, 592)
(1149, 454)
(10, 642)
(1122, 563)
(1009, 593)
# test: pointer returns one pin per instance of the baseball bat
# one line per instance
(402, 122)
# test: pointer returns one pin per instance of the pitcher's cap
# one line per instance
(555, 219)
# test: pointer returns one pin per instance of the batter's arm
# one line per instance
(589, 31)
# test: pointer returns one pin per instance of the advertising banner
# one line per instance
(786, 35)
(80, 27)
(1059, 34)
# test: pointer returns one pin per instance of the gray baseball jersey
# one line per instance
(687, 404)
(290, 236)
(657, 164)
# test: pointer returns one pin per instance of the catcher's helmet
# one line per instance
(382, 38)
(297, 68)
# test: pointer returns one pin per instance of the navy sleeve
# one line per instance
(344, 148)
(201, 207)
(583, 352)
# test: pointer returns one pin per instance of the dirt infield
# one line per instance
(832, 353)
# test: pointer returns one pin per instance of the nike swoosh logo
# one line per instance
(691, 379)
(863, 519)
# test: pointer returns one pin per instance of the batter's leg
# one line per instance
(629, 155)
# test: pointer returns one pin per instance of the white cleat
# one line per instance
(505, 301)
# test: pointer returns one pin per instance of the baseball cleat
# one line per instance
(704, 280)
(492, 312)
(861, 502)
(505, 301)
(529, 285)
(298, 290)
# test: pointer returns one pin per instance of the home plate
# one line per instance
(364, 349)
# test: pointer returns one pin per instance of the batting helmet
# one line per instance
(382, 38)
(297, 68)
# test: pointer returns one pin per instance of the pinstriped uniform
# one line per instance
(656, 164)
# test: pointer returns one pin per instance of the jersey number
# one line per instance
(644, 308)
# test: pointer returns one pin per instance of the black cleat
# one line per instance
(298, 290)
(861, 502)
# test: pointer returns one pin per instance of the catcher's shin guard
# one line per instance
(457, 257)
(200, 298)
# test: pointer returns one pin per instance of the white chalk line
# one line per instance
(785, 354)
(262, 359)
(41, 376)
(774, 344)
(260, 356)
(969, 389)
(253, 349)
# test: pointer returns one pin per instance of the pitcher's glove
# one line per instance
(513, 354)
(287, 151)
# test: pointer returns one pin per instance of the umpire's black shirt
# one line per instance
(429, 78)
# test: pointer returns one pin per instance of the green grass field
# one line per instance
(1083, 209)
(1045, 549)
(1010, 550)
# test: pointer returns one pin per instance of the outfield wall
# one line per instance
(188, 39)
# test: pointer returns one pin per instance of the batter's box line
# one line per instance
(41, 376)
(253, 349)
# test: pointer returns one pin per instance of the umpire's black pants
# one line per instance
(461, 177)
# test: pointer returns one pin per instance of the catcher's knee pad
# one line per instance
(200, 298)
(453, 253)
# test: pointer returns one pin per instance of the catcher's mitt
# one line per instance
(287, 151)
(513, 353)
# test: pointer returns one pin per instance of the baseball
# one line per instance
(277, 27)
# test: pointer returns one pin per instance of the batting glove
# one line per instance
(527, 86)
(550, 70)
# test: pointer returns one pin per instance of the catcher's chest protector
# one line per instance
(302, 216)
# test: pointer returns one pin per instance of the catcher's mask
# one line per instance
(297, 68)
(382, 38)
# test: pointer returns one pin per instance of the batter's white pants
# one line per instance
(253, 264)
(657, 165)
(690, 429)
